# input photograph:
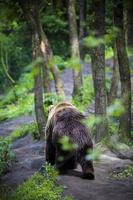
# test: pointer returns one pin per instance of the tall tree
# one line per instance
(82, 26)
(38, 88)
(129, 10)
(124, 70)
(75, 53)
(31, 10)
(98, 67)
(115, 77)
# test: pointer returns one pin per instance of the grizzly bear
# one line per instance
(65, 120)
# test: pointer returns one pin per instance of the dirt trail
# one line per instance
(30, 156)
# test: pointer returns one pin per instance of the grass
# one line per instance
(24, 130)
(23, 105)
(38, 187)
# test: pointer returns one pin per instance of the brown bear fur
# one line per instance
(65, 120)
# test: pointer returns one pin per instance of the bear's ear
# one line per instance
(50, 108)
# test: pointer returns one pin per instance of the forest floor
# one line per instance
(29, 156)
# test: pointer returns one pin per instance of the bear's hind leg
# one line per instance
(50, 153)
(72, 164)
(87, 167)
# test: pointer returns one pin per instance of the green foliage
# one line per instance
(18, 99)
(66, 144)
(111, 35)
(94, 154)
(58, 61)
(15, 47)
(50, 99)
(40, 187)
(21, 88)
(114, 143)
(24, 130)
(116, 109)
(123, 173)
(24, 105)
(54, 22)
(73, 63)
(92, 121)
(92, 41)
(86, 96)
(5, 154)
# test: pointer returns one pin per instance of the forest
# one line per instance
(79, 52)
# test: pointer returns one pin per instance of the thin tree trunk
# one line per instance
(47, 51)
(115, 78)
(75, 53)
(129, 8)
(125, 120)
(98, 68)
(31, 13)
(38, 89)
(82, 27)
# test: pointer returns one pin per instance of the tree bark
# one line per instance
(98, 68)
(124, 70)
(75, 53)
(38, 89)
(31, 9)
(115, 78)
(129, 8)
(46, 49)
(82, 27)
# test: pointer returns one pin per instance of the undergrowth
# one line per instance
(86, 96)
(122, 173)
(6, 154)
(39, 187)
(24, 130)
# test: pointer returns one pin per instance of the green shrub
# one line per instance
(24, 105)
(123, 173)
(41, 187)
(50, 99)
(5, 154)
(24, 130)
(22, 87)
(86, 96)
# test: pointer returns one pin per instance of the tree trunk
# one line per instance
(82, 27)
(125, 120)
(31, 13)
(38, 89)
(98, 68)
(46, 49)
(115, 78)
(31, 9)
(129, 8)
(75, 53)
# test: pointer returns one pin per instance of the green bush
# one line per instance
(5, 154)
(22, 106)
(24, 130)
(86, 96)
(41, 187)
(123, 173)
(50, 99)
